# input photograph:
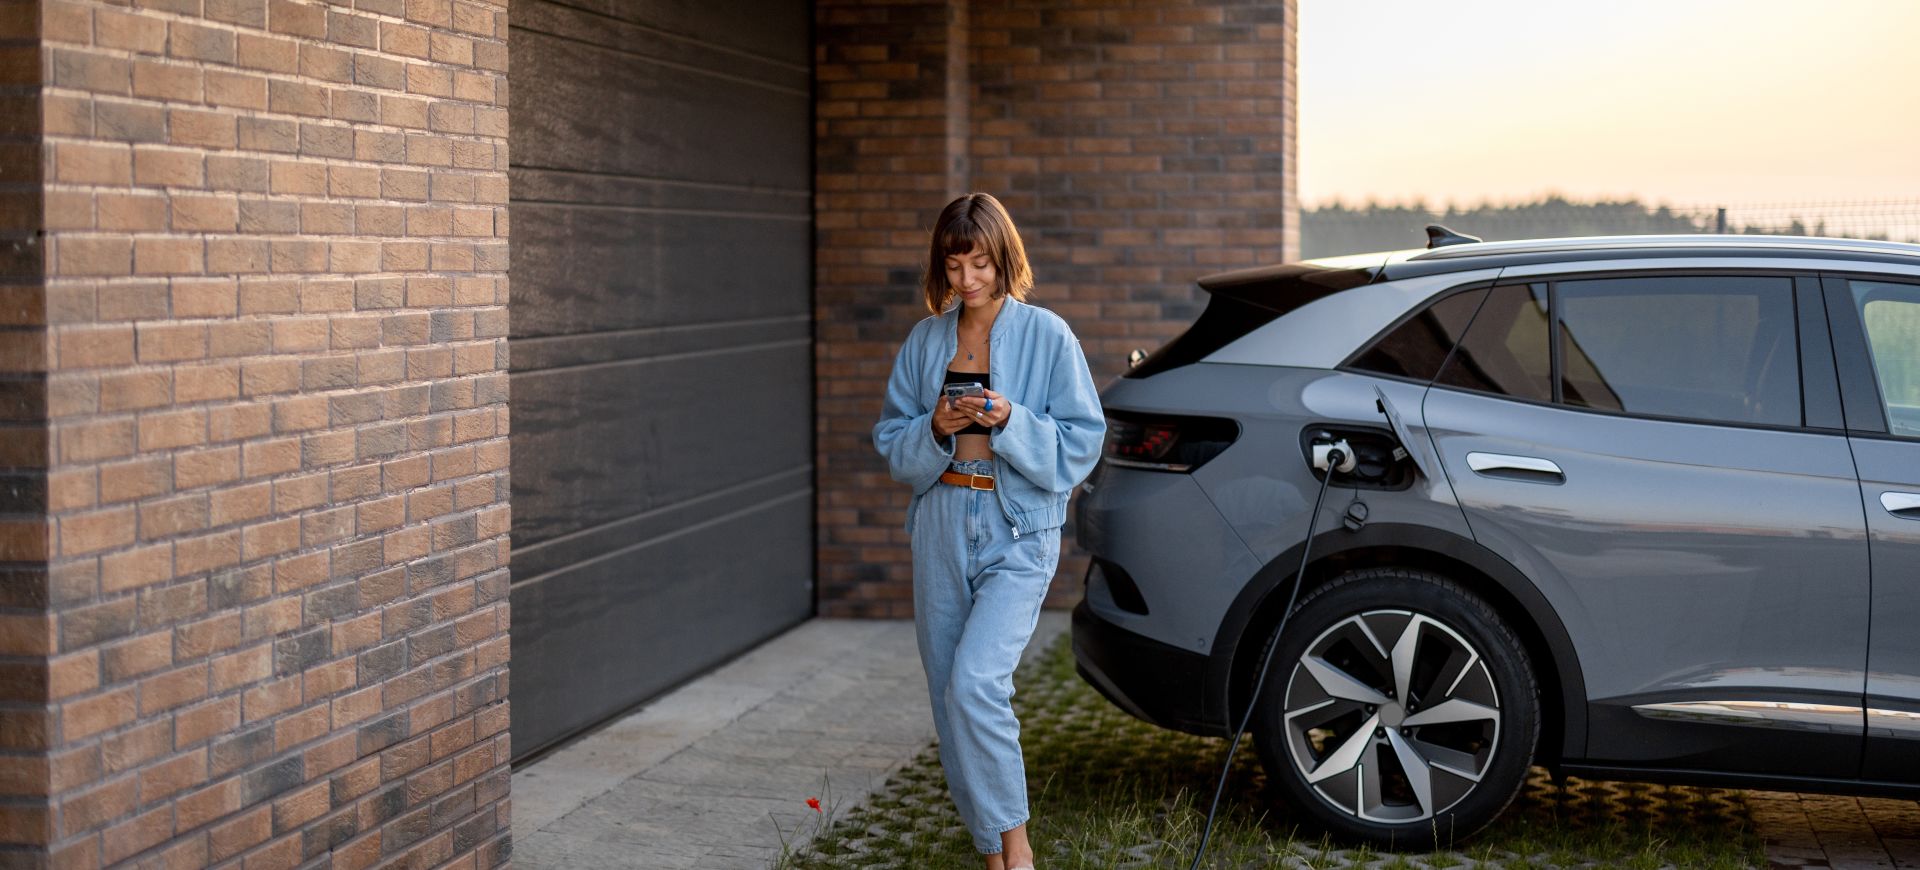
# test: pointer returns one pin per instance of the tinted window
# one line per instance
(1416, 348)
(1506, 349)
(1223, 322)
(1242, 302)
(1891, 314)
(1709, 348)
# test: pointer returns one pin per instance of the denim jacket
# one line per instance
(1051, 439)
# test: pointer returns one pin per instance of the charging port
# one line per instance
(1378, 461)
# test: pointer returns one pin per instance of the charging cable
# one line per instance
(1337, 456)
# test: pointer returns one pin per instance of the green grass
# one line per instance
(1108, 791)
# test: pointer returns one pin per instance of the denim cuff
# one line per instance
(997, 832)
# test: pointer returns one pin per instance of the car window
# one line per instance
(1506, 349)
(1891, 314)
(1416, 348)
(1709, 348)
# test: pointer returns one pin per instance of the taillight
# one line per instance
(1166, 443)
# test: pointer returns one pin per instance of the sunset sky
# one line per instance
(1690, 102)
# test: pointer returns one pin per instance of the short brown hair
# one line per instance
(976, 219)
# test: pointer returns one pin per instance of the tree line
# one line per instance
(1335, 229)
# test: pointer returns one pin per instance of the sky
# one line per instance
(1684, 102)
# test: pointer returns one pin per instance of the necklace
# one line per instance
(982, 346)
(986, 334)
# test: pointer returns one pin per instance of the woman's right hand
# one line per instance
(949, 418)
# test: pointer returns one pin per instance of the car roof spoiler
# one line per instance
(1288, 286)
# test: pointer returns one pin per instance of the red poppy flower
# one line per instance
(814, 803)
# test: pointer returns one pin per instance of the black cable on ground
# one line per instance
(1334, 459)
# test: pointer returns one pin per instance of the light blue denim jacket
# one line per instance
(1049, 443)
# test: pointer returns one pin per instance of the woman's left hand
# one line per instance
(989, 410)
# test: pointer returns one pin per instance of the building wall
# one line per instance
(889, 149)
(25, 629)
(1137, 144)
(273, 608)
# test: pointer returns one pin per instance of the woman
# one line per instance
(991, 473)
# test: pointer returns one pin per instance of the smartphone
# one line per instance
(961, 391)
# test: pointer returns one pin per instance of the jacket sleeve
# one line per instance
(1056, 447)
(904, 434)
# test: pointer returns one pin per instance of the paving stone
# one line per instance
(1837, 831)
(716, 774)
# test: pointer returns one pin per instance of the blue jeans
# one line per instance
(976, 598)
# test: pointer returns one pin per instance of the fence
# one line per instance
(1336, 229)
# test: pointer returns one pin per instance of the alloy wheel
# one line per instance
(1391, 716)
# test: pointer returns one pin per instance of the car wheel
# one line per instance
(1400, 709)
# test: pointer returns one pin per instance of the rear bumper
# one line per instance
(1150, 680)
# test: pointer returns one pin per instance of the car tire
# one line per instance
(1400, 710)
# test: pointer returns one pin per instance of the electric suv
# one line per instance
(1631, 508)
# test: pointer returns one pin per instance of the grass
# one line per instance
(1108, 791)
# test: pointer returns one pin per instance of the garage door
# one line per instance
(661, 332)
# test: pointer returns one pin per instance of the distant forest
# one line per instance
(1337, 229)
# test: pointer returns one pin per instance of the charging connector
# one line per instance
(1334, 454)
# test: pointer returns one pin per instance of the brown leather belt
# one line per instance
(970, 481)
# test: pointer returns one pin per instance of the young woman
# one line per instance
(991, 473)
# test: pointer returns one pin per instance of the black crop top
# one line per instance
(986, 381)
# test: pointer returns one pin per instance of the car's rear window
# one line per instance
(1506, 351)
(1417, 347)
(1699, 347)
(1241, 302)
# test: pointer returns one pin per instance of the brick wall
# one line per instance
(1138, 145)
(274, 608)
(25, 637)
(889, 150)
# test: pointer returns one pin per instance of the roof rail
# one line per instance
(1732, 242)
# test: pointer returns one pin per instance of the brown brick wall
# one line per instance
(1138, 145)
(25, 628)
(275, 318)
(889, 150)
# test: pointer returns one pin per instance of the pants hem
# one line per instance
(996, 831)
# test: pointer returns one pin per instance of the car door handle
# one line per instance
(1901, 504)
(1528, 468)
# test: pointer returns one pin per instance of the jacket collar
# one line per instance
(1011, 307)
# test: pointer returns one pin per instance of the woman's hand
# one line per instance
(949, 418)
(975, 409)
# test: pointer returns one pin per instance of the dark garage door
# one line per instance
(662, 378)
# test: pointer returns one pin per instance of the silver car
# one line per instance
(1632, 508)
